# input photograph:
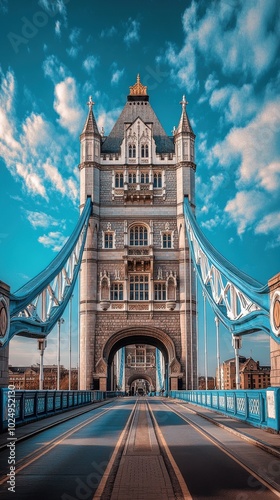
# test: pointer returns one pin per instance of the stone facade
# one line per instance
(274, 286)
(4, 327)
(135, 281)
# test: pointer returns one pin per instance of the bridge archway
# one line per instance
(141, 376)
(139, 335)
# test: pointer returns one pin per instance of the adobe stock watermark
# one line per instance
(84, 489)
(31, 25)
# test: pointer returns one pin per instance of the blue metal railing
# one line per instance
(260, 408)
(34, 405)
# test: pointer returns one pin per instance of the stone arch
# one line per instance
(140, 375)
(140, 335)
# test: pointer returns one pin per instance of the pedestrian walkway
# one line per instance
(269, 441)
(142, 472)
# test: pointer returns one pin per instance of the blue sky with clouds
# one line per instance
(222, 54)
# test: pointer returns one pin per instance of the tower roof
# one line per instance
(137, 106)
(184, 123)
(90, 123)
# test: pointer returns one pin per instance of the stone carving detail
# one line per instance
(175, 366)
(101, 366)
(138, 307)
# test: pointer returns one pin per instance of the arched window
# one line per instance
(119, 180)
(145, 178)
(132, 178)
(144, 151)
(157, 180)
(138, 236)
(131, 151)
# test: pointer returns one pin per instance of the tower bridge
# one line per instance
(139, 250)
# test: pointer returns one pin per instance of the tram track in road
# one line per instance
(142, 463)
(257, 472)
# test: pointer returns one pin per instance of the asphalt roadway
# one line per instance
(137, 448)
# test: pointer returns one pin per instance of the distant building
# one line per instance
(27, 377)
(211, 384)
(252, 374)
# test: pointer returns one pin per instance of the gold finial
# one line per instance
(138, 88)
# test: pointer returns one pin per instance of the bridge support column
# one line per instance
(4, 326)
(274, 286)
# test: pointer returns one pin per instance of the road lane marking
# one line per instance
(219, 445)
(110, 465)
(55, 442)
(183, 486)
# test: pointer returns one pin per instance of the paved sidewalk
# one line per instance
(264, 439)
(142, 472)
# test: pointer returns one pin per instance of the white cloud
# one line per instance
(52, 173)
(238, 104)
(54, 69)
(245, 44)
(90, 63)
(4, 6)
(54, 240)
(74, 38)
(67, 107)
(269, 223)
(132, 33)
(55, 7)
(33, 150)
(107, 119)
(270, 176)
(116, 76)
(41, 219)
(109, 32)
(256, 148)
(74, 35)
(57, 28)
(244, 208)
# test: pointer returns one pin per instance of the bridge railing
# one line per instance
(260, 408)
(28, 406)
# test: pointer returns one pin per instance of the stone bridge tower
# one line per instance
(135, 285)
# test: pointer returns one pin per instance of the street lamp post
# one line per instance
(59, 323)
(70, 339)
(236, 344)
(42, 344)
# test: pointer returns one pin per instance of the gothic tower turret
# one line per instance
(135, 286)
(90, 145)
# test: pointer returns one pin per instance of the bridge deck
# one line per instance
(260, 437)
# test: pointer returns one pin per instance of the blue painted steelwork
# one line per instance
(260, 408)
(37, 306)
(239, 301)
(159, 373)
(121, 369)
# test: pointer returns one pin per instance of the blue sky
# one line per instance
(222, 54)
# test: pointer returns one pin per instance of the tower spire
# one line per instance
(90, 124)
(184, 123)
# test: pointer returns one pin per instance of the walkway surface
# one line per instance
(265, 439)
(142, 472)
